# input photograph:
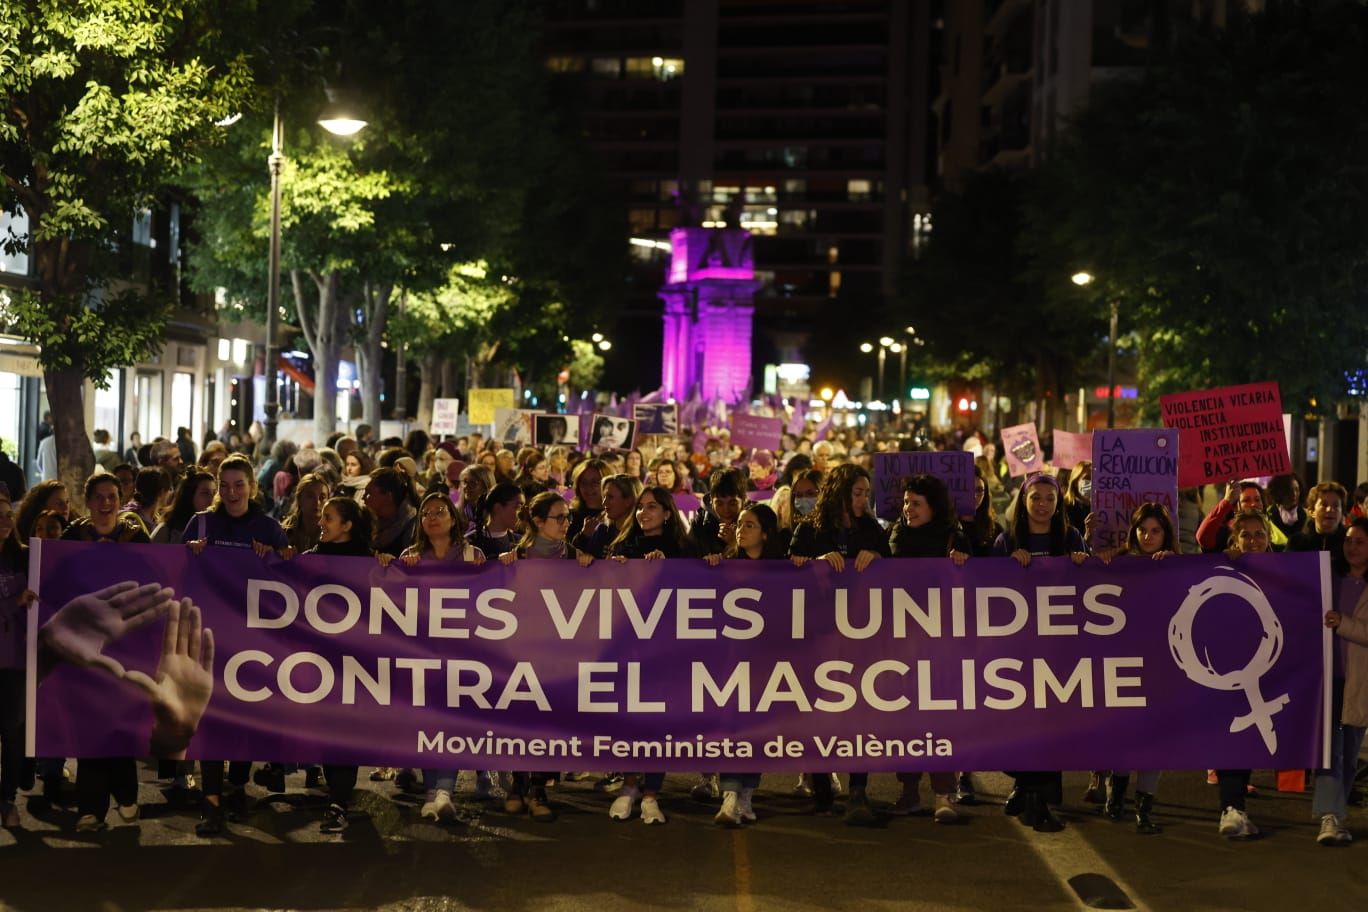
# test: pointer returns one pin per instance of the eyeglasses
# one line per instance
(559, 517)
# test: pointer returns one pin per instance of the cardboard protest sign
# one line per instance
(609, 432)
(954, 467)
(483, 402)
(551, 430)
(756, 432)
(513, 427)
(445, 415)
(1131, 467)
(1070, 449)
(1229, 432)
(1021, 448)
(656, 417)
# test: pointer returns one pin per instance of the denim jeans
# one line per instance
(735, 782)
(440, 780)
(1335, 784)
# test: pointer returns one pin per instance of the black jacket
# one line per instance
(930, 540)
(865, 535)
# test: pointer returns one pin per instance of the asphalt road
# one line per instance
(789, 860)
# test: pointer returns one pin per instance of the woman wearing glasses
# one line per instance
(545, 521)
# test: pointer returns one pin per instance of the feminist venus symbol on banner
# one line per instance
(1184, 651)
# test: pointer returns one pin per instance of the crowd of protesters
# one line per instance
(470, 499)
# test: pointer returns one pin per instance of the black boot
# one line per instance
(1144, 803)
(1016, 803)
(1115, 808)
(1042, 821)
(822, 798)
(1096, 793)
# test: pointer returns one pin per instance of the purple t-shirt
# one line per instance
(218, 528)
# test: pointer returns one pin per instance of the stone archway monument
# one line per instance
(709, 307)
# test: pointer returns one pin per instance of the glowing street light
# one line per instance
(1082, 278)
(866, 347)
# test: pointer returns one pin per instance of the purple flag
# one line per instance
(1191, 662)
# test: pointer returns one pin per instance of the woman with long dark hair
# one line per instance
(841, 530)
(194, 494)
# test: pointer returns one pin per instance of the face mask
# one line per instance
(1085, 489)
(804, 505)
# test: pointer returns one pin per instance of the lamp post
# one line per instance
(275, 163)
(1083, 279)
(885, 343)
(339, 125)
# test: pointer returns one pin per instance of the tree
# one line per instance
(1218, 196)
(977, 300)
(103, 105)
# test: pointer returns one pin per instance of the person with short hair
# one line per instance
(714, 525)
(1324, 531)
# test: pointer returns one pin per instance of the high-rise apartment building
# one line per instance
(802, 121)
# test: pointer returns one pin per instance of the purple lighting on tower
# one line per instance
(708, 313)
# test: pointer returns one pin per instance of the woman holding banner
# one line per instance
(1349, 620)
(841, 529)
(344, 530)
(1152, 536)
(927, 528)
(1250, 533)
(1040, 528)
(235, 521)
(620, 493)
(544, 521)
(439, 539)
(757, 538)
(586, 480)
(654, 531)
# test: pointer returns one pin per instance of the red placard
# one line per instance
(1229, 432)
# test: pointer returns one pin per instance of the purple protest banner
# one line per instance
(756, 432)
(954, 467)
(1192, 662)
(1131, 467)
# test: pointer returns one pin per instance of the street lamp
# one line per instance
(1083, 279)
(338, 124)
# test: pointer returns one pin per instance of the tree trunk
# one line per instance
(449, 381)
(370, 351)
(322, 326)
(427, 389)
(75, 458)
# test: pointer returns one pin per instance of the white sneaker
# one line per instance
(439, 809)
(621, 808)
(802, 787)
(730, 813)
(945, 811)
(836, 788)
(707, 788)
(743, 805)
(650, 811)
(129, 813)
(1235, 824)
(1329, 831)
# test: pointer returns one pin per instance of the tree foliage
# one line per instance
(1219, 196)
(103, 105)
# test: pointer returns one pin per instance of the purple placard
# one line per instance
(757, 432)
(1131, 467)
(754, 665)
(954, 467)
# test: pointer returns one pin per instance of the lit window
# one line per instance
(858, 190)
(722, 194)
(606, 66)
(563, 64)
(667, 68)
(759, 221)
(795, 187)
(834, 283)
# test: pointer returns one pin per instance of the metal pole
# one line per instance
(401, 370)
(1111, 369)
(883, 352)
(274, 163)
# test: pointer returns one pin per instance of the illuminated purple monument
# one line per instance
(708, 311)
